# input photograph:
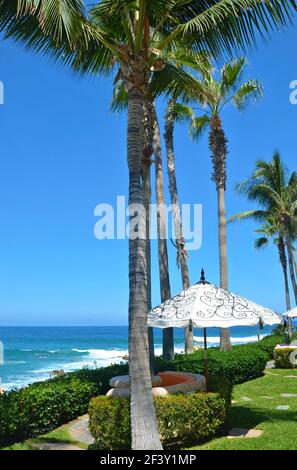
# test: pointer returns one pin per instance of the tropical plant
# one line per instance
(147, 196)
(182, 254)
(213, 95)
(134, 35)
(276, 191)
(165, 290)
(270, 229)
(152, 146)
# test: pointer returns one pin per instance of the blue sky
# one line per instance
(63, 152)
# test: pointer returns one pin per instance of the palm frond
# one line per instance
(119, 102)
(251, 90)
(198, 126)
(258, 215)
(229, 25)
(261, 242)
(183, 113)
(175, 82)
(231, 74)
(58, 19)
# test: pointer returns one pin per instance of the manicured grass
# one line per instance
(279, 426)
(60, 435)
(19, 446)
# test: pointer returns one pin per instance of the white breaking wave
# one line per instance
(215, 340)
(103, 353)
(103, 357)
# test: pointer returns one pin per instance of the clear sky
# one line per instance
(63, 152)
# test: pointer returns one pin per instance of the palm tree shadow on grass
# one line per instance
(243, 417)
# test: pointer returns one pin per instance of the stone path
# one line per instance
(55, 446)
(282, 407)
(246, 398)
(270, 365)
(244, 433)
(79, 430)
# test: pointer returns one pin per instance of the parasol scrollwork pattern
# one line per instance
(205, 302)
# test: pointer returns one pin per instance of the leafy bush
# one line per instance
(242, 363)
(279, 330)
(183, 420)
(221, 385)
(282, 358)
(43, 406)
(294, 336)
(268, 343)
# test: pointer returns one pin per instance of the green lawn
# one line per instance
(279, 426)
(60, 435)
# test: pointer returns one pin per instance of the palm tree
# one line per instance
(177, 113)
(153, 146)
(117, 103)
(182, 254)
(270, 229)
(134, 36)
(165, 290)
(216, 94)
(276, 191)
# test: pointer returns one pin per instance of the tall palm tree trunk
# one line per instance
(147, 194)
(294, 261)
(218, 147)
(144, 427)
(283, 261)
(291, 263)
(180, 242)
(168, 338)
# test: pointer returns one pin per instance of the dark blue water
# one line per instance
(30, 353)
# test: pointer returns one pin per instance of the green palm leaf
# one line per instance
(198, 126)
(251, 90)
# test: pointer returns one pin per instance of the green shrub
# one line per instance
(268, 343)
(242, 363)
(43, 406)
(282, 358)
(278, 330)
(294, 336)
(221, 385)
(183, 420)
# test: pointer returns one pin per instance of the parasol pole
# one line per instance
(205, 359)
(203, 281)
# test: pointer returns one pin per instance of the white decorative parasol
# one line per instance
(291, 313)
(206, 305)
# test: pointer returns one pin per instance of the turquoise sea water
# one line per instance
(30, 353)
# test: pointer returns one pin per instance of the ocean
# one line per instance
(31, 353)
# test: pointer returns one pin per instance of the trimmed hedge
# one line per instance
(268, 343)
(242, 363)
(183, 420)
(41, 407)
